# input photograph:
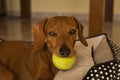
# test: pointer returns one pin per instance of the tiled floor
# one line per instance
(21, 29)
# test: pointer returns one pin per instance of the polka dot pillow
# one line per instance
(104, 71)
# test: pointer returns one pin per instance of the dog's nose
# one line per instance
(64, 51)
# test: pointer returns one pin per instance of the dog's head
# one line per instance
(59, 33)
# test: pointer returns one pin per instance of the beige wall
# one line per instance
(65, 6)
(60, 6)
(117, 7)
(13, 5)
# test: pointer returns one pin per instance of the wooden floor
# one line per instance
(21, 29)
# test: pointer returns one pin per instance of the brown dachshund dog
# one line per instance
(20, 60)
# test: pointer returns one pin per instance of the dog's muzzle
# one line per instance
(64, 51)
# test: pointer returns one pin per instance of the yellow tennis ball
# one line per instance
(63, 63)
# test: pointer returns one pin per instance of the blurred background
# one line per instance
(17, 17)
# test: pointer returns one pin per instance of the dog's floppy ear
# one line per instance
(39, 34)
(80, 33)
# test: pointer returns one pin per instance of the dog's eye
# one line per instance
(52, 34)
(71, 32)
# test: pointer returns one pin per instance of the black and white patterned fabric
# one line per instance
(116, 50)
(109, 70)
(104, 71)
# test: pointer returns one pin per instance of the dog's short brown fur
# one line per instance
(22, 61)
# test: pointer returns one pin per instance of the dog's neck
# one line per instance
(43, 65)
